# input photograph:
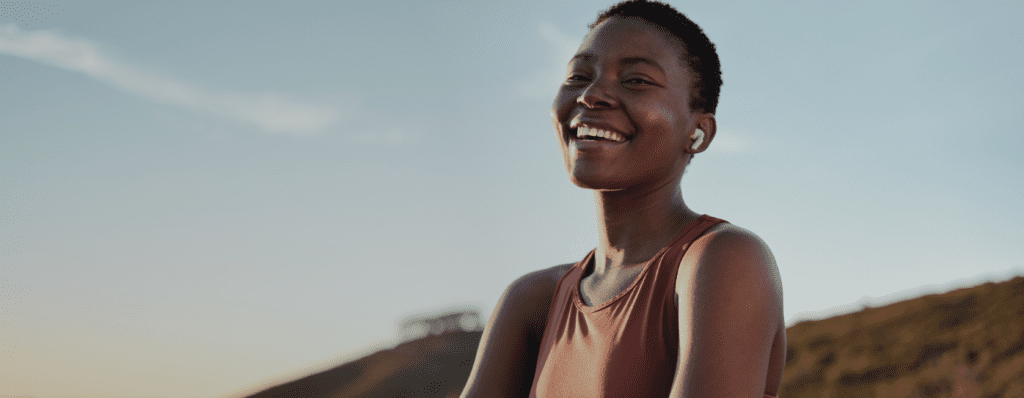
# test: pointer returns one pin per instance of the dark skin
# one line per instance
(628, 78)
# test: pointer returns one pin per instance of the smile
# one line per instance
(586, 132)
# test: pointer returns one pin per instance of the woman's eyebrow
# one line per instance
(628, 61)
(585, 57)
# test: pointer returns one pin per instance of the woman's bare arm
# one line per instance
(730, 311)
(507, 355)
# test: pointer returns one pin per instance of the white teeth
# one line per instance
(583, 131)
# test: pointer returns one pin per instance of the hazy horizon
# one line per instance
(231, 192)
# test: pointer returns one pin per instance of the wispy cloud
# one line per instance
(543, 83)
(272, 112)
(396, 135)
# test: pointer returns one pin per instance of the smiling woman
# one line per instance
(671, 302)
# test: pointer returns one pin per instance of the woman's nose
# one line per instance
(596, 96)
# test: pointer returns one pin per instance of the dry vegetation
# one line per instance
(965, 343)
(434, 366)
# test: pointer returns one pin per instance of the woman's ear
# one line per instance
(703, 133)
(697, 137)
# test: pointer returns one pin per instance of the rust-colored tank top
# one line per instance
(625, 347)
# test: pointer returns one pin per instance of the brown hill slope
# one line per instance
(964, 343)
(434, 366)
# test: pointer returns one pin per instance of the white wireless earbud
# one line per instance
(698, 138)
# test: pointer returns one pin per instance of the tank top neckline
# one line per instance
(589, 260)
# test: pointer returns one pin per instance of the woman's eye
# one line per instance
(637, 80)
(576, 79)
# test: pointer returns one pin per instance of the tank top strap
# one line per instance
(701, 225)
(677, 249)
(674, 253)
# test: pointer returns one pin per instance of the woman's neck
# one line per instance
(633, 227)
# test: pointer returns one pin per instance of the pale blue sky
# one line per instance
(198, 197)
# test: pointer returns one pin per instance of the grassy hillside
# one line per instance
(434, 366)
(964, 343)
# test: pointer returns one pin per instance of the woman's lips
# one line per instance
(583, 132)
(589, 143)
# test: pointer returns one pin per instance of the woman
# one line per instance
(670, 303)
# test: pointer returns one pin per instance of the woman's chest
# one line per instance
(597, 290)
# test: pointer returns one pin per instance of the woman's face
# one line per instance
(626, 79)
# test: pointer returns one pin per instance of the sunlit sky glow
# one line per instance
(197, 198)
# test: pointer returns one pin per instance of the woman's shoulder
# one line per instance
(724, 238)
(510, 343)
(535, 290)
(537, 285)
(542, 279)
(730, 296)
(728, 251)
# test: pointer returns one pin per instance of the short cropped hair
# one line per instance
(698, 51)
